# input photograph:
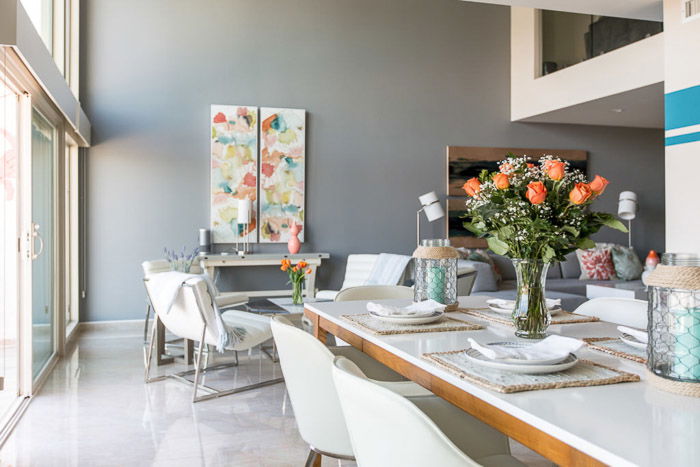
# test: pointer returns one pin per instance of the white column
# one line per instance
(682, 96)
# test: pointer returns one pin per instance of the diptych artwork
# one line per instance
(282, 172)
(234, 170)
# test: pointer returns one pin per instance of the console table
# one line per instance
(210, 263)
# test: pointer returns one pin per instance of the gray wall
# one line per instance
(387, 85)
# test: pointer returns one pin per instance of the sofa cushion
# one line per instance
(485, 277)
(627, 264)
(570, 268)
(596, 263)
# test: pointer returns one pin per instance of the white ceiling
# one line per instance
(638, 9)
(642, 108)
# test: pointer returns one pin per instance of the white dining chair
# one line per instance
(624, 311)
(191, 313)
(157, 266)
(387, 429)
(358, 270)
(306, 366)
(374, 292)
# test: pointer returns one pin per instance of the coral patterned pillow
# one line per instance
(596, 264)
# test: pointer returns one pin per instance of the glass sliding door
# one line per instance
(44, 147)
(9, 233)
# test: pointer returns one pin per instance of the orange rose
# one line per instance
(530, 165)
(295, 268)
(284, 267)
(302, 264)
(536, 192)
(554, 169)
(308, 271)
(598, 185)
(472, 186)
(501, 181)
(580, 194)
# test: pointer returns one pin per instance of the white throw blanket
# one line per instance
(388, 269)
(641, 336)
(549, 348)
(165, 288)
(424, 308)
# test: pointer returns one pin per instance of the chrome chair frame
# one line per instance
(198, 370)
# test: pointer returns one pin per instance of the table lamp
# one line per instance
(430, 205)
(627, 209)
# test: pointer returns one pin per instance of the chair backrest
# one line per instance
(374, 292)
(192, 304)
(307, 368)
(358, 269)
(624, 311)
(156, 266)
(388, 430)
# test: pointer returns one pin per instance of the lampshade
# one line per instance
(431, 206)
(244, 208)
(627, 206)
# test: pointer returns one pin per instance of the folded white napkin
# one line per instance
(552, 303)
(641, 336)
(549, 348)
(424, 308)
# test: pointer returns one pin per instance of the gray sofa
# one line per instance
(562, 281)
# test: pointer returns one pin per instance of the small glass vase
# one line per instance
(531, 316)
(297, 289)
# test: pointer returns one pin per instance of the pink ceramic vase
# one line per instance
(294, 245)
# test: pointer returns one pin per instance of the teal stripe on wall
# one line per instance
(680, 139)
(682, 108)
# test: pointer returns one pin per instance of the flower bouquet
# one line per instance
(535, 214)
(297, 275)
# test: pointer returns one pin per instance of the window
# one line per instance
(58, 24)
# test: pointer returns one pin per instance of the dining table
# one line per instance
(630, 423)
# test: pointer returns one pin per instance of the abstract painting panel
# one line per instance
(282, 172)
(234, 170)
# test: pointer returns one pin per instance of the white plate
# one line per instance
(477, 358)
(506, 311)
(632, 341)
(518, 361)
(398, 319)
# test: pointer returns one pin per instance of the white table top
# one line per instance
(618, 424)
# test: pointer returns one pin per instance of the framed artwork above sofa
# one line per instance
(465, 162)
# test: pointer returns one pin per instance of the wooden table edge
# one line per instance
(545, 444)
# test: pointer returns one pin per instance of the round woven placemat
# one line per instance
(675, 277)
(435, 252)
(677, 387)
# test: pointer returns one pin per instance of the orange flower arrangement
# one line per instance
(535, 209)
(297, 275)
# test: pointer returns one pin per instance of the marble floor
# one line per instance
(95, 410)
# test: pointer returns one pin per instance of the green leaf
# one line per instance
(549, 254)
(614, 224)
(472, 228)
(572, 230)
(585, 243)
(497, 246)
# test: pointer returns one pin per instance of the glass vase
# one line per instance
(297, 297)
(531, 316)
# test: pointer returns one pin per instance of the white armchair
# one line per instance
(158, 266)
(189, 312)
(306, 365)
(387, 429)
